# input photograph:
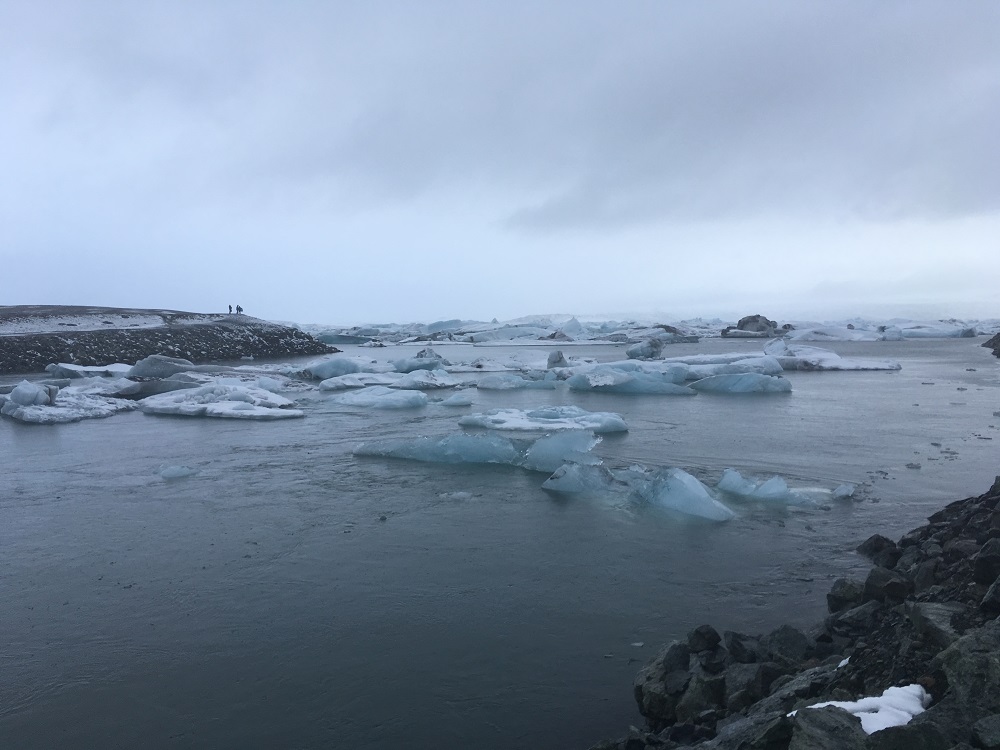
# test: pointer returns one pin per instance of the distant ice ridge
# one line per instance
(223, 401)
(547, 418)
(47, 404)
(544, 454)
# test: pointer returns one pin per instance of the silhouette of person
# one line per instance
(239, 310)
(230, 309)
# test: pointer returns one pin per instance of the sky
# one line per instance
(349, 162)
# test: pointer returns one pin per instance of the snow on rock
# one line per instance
(749, 382)
(547, 418)
(381, 397)
(224, 401)
(894, 708)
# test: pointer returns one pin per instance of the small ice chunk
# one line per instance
(177, 472)
(421, 362)
(381, 397)
(742, 383)
(582, 479)
(735, 483)
(556, 359)
(458, 399)
(26, 393)
(677, 490)
(453, 449)
(894, 708)
(331, 368)
(615, 380)
(843, 492)
(64, 370)
(552, 451)
(547, 418)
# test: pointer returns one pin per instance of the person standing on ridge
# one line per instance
(230, 309)
(239, 310)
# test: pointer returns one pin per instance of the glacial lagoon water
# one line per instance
(263, 602)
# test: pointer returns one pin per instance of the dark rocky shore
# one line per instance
(994, 344)
(926, 614)
(195, 337)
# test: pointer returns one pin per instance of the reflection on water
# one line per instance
(263, 602)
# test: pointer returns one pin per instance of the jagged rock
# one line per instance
(913, 736)
(704, 692)
(986, 565)
(787, 643)
(655, 702)
(883, 584)
(715, 660)
(874, 544)
(972, 667)
(924, 576)
(990, 603)
(703, 638)
(986, 732)
(932, 621)
(828, 728)
(743, 648)
(854, 621)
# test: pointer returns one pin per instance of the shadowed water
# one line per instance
(264, 603)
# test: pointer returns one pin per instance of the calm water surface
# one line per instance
(263, 603)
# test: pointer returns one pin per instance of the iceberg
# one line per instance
(540, 455)
(547, 418)
(457, 399)
(801, 357)
(675, 489)
(46, 404)
(512, 382)
(425, 380)
(331, 368)
(159, 366)
(380, 397)
(607, 379)
(63, 370)
(776, 490)
(583, 479)
(748, 382)
(223, 401)
(359, 380)
(765, 365)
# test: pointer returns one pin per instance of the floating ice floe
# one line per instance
(547, 418)
(505, 382)
(160, 366)
(544, 454)
(748, 382)
(45, 404)
(177, 472)
(381, 397)
(799, 357)
(358, 380)
(484, 364)
(776, 490)
(894, 708)
(425, 380)
(669, 489)
(224, 401)
(937, 331)
(63, 370)
(457, 399)
(761, 365)
(608, 379)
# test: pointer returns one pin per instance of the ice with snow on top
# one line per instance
(504, 382)
(381, 397)
(765, 365)
(544, 454)
(547, 418)
(484, 364)
(800, 357)
(46, 404)
(64, 370)
(894, 708)
(425, 362)
(222, 401)
(425, 380)
(748, 382)
(605, 379)
(161, 366)
(358, 380)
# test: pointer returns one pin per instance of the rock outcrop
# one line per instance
(185, 335)
(925, 614)
(994, 344)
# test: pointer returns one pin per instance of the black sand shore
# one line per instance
(34, 336)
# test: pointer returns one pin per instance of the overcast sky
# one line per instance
(384, 161)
